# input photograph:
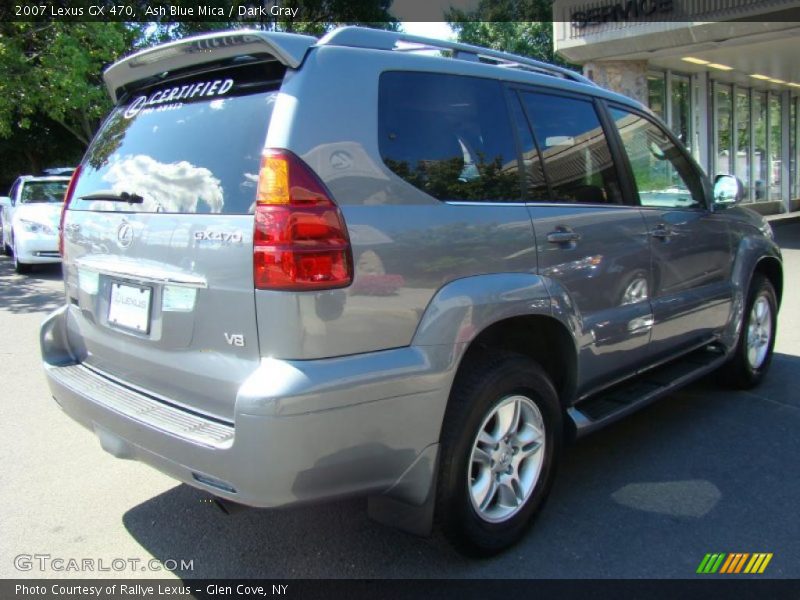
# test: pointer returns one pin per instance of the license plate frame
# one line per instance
(127, 310)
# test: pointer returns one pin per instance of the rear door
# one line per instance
(158, 237)
(690, 245)
(591, 246)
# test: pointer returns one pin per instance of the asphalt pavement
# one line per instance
(705, 470)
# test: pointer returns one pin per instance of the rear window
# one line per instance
(43, 191)
(189, 145)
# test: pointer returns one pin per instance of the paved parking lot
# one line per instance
(706, 470)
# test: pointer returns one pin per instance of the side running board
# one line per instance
(618, 401)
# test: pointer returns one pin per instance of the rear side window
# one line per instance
(190, 145)
(449, 136)
(577, 159)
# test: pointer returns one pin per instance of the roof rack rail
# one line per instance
(379, 39)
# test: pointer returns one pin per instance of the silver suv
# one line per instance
(302, 269)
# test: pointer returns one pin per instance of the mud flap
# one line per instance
(410, 503)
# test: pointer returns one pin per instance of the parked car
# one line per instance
(30, 216)
(298, 270)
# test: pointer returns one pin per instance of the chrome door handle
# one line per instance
(661, 232)
(563, 235)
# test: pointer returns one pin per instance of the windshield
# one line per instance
(43, 191)
(191, 145)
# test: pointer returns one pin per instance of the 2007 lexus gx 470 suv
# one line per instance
(297, 270)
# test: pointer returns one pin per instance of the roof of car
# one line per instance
(292, 49)
(27, 178)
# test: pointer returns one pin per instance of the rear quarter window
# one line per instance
(449, 136)
(190, 145)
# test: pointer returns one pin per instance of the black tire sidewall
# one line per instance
(743, 374)
(471, 403)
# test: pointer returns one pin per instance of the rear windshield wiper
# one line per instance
(110, 197)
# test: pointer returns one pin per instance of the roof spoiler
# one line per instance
(287, 48)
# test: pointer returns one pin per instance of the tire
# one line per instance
(490, 382)
(749, 364)
(20, 268)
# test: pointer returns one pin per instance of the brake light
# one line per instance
(67, 199)
(300, 240)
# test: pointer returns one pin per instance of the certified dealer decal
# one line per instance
(174, 96)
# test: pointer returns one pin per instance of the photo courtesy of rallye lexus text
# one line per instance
(301, 269)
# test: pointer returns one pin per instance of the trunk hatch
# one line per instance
(162, 287)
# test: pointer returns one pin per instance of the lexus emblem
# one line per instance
(125, 235)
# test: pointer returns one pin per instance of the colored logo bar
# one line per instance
(734, 562)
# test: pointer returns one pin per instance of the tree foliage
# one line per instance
(54, 71)
(522, 27)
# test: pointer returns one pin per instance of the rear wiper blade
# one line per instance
(111, 197)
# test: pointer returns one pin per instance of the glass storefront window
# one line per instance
(723, 130)
(793, 147)
(681, 109)
(759, 146)
(774, 147)
(742, 167)
(657, 93)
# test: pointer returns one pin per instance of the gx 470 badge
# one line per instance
(226, 237)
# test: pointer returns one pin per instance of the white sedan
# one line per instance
(30, 218)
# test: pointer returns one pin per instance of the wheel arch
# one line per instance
(542, 338)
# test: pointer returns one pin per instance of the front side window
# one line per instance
(577, 159)
(664, 176)
(449, 136)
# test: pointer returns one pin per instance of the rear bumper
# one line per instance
(303, 430)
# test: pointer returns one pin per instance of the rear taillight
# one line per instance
(300, 240)
(67, 199)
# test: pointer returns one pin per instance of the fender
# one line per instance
(750, 248)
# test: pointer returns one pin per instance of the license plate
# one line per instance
(130, 307)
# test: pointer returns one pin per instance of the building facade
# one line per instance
(726, 82)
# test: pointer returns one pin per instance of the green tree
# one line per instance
(54, 71)
(43, 144)
(522, 27)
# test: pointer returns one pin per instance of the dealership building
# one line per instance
(723, 74)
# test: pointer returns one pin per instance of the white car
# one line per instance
(30, 217)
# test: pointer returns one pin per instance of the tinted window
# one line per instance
(576, 156)
(448, 135)
(43, 191)
(186, 146)
(534, 181)
(664, 177)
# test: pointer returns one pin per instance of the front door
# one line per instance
(690, 246)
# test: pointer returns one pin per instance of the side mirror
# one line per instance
(5, 201)
(728, 190)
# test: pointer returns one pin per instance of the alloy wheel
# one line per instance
(506, 459)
